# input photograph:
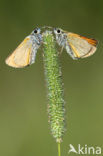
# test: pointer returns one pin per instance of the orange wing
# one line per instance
(81, 46)
(90, 40)
(21, 56)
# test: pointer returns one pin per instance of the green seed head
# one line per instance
(53, 77)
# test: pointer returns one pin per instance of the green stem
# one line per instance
(53, 77)
(59, 153)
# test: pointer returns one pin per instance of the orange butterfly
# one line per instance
(25, 53)
(76, 46)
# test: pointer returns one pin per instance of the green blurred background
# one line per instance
(24, 128)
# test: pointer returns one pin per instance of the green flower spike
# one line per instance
(53, 77)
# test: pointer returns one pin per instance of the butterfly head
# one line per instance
(36, 31)
(36, 35)
(60, 36)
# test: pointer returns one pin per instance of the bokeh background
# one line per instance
(24, 128)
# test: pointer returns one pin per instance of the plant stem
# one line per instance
(59, 153)
(53, 77)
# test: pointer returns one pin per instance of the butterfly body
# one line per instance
(36, 43)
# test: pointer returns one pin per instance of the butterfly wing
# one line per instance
(81, 46)
(22, 55)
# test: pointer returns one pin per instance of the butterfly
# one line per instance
(77, 46)
(25, 53)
